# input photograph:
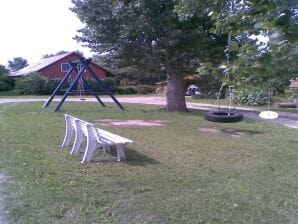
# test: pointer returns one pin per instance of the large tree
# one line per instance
(152, 34)
(17, 64)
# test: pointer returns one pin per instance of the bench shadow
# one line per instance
(133, 158)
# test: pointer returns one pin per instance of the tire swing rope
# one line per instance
(219, 115)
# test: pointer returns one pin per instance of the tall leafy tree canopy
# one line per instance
(151, 34)
(264, 38)
(274, 20)
(17, 64)
(177, 36)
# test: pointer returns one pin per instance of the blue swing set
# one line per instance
(84, 65)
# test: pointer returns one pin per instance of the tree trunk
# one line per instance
(175, 93)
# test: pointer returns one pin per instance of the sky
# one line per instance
(32, 28)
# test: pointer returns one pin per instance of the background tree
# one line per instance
(60, 53)
(6, 83)
(3, 70)
(17, 64)
(151, 35)
(56, 54)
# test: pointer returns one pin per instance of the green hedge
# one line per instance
(145, 89)
(251, 97)
(34, 84)
(126, 90)
(6, 83)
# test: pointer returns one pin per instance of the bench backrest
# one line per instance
(81, 126)
(89, 130)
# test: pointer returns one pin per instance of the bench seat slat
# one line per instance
(113, 137)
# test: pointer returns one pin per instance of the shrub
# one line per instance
(126, 90)
(197, 96)
(109, 82)
(251, 97)
(33, 84)
(50, 86)
(145, 89)
(6, 83)
(291, 94)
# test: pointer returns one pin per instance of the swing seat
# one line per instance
(268, 115)
(222, 116)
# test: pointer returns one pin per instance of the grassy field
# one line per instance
(189, 171)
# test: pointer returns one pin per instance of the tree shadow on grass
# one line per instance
(241, 131)
(230, 132)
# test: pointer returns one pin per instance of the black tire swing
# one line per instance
(223, 116)
(226, 115)
(229, 114)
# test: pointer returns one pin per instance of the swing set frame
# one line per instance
(80, 75)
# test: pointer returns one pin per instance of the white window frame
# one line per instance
(62, 67)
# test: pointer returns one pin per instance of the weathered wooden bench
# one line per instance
(96, 138)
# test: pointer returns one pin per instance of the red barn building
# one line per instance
(56, 67)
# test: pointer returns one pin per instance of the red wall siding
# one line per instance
(54, 70)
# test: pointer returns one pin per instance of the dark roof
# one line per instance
(35, 67)
(43, 63)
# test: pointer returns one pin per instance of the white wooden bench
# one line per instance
(96, 138)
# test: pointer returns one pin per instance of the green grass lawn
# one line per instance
(174, 173)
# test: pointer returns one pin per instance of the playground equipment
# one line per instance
(268, 114)
(80, 80)
(229, 114)
(225, 115)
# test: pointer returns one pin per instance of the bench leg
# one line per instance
(106, 148)
(120, 152)
(77, 143)
(68, 133)
(90, 147)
